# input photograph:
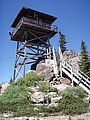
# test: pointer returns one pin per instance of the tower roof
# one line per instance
(27, 12)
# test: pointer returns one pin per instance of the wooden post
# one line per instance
(55, 63)
(38, 49)
(15, 62)
(61, 70)
(61, 56)
(72, 77)
(24, 59)
(49, 48)
(50, 53)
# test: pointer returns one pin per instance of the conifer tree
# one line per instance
(0, 87)
(11, 80)
(62, 42)
(84, 63)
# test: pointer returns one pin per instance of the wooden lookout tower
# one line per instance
(32, 31)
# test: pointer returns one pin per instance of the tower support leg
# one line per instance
(15, 62)
(24, 59)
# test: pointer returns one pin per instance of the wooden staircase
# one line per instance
(77, 77)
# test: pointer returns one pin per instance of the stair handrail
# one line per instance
(82, 73)
(78, 74)
(82, 77)
(78, 71)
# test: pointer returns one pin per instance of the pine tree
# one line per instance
(0, 87)
(62, 42)
(84, 63)
(11, 80)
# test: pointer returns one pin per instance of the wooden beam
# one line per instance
(36, 37)
(15, 62)
(20, 63)
(39, 37)
(25, 59)
(22, 48)
(30, 62)
(19, 70)
(28, 53)
(35, 48)
(34, 44)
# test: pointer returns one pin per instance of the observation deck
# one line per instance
(34, 22)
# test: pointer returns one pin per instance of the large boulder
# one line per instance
(75, 63)
(38, 97)
(73, 58)
(69, 54)
(45, 68)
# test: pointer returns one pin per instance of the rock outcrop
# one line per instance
(45, 68)
(69, 54)
(38, 97)
(4, 87)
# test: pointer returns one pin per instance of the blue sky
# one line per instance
(73, 18)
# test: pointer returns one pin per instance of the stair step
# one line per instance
(54, 79)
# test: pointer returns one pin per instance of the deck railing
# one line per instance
(34, 21)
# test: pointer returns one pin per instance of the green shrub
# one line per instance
(72, 101)
(17, 100)
(71, 105)
(75, 92)
(16, 97)
(47, 110)
(30, 79)
(12, 97)
(0, 87)
(46, 87)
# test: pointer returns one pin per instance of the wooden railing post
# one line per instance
(55, 63)
(72, 76)
(24, 60)
(15, 62)
(60, 59)
(50, 53)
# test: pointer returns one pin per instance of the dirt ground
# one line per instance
(85, 116)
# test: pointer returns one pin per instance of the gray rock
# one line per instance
(34, 89)
(61, 87)
(65, 81)
(69, 54)
(45, 69)
(55, 99)
(53, 104)
(7, 115)
(87, 100)
(38, 97)
(52, 94)
(36, 109)
(21, 118)
(4, 87)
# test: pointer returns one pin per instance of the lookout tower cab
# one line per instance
(32, 31)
